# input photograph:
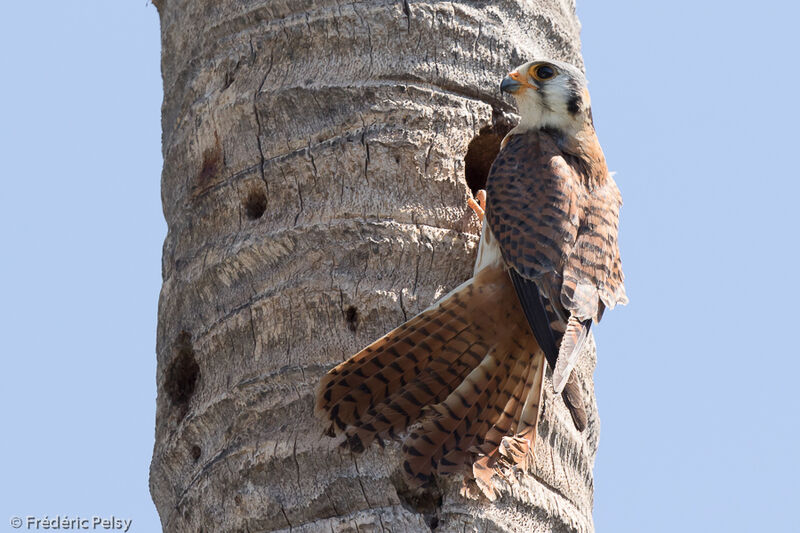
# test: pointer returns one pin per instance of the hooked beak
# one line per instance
(514, 82)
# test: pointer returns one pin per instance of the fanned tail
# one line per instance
(467, 368)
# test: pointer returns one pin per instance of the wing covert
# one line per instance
(555, 227)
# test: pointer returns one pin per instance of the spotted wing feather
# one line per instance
(556, 225)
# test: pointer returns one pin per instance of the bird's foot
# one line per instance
(480, 206)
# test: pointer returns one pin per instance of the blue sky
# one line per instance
(695, 105)
(82, 229)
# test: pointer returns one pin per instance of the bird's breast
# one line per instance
(489, 253)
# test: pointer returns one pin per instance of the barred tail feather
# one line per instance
(433, 384)
(385, 366)
(502, 403)
(424, 447)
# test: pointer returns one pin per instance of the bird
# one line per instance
(461, 383)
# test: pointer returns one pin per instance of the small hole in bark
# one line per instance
(351, 316)
(196, 453)
(212, 162)
(255, 204)
(237, 500)
(183, 372)
(229, 79)
(426, 501)
(481, 153)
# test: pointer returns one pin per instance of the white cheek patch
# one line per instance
(546, 107)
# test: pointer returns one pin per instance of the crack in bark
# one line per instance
(255, 112)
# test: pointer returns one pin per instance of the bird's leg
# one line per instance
(480, 206)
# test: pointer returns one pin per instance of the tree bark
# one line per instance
(316, 172)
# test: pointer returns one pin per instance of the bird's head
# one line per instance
(549, 94)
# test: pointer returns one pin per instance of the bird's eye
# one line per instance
(542, 72)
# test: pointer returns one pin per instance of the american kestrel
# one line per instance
(466, 375)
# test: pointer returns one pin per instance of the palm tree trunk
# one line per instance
(315, 155)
